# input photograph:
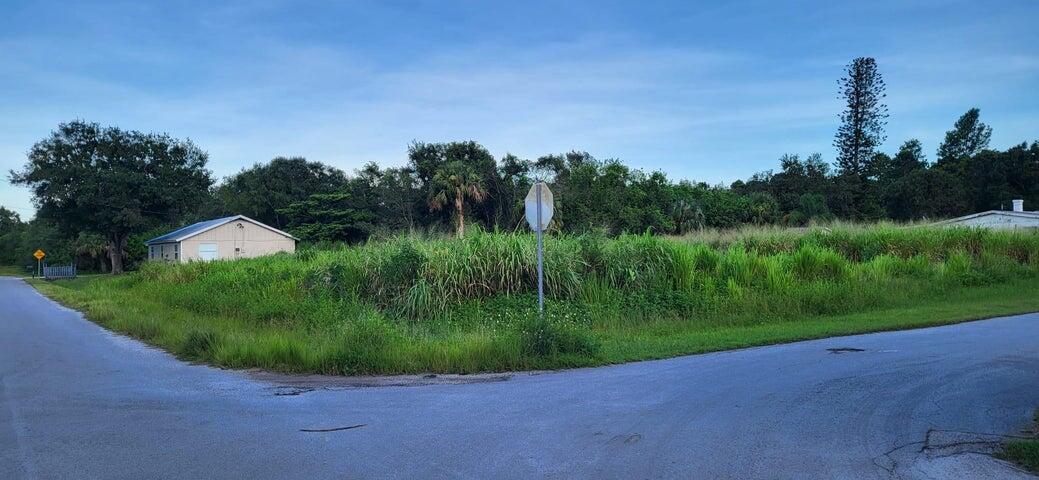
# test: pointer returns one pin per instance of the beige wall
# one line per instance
(252, 241)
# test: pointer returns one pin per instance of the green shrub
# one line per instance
(816, 263)
(959, 268)
(777, 277)
(418, 302)
(638, 262)
(591, 245)
(596, 291)
(705, 259)
(398, 268)
(556, 334)
(1024, 452)
(881, 267)
(737, 266)
(342, 276)
(364, 344)
(683, 267)
(198, 343)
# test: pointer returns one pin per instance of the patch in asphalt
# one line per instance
(334, 429)
(286, 384)
(289, 391)
(944, 454)
(840, 350)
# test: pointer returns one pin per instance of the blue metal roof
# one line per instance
(189, 230)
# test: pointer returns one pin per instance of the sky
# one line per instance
(706, 91)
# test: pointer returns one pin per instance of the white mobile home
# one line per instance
(222, 238)
(999, 219)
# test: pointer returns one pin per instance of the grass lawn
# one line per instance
(14, 271)
(942, 308)
(464, 306)
(1024, 452)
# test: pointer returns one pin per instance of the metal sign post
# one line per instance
(541, 257)
(539, 207)
(39, 259)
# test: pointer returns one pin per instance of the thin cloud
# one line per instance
(697, 97)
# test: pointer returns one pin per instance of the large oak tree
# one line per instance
(113, 182)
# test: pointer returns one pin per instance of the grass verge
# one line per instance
(463, 306)
(13, 271)
(1024, 452)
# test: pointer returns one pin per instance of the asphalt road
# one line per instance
(79, 402)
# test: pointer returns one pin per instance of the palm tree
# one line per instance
(454, 183)
(688, 215)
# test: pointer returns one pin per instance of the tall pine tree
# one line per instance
(860, 133)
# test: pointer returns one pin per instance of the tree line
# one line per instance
(102, 191)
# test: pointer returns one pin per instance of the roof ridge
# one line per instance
(204, 225)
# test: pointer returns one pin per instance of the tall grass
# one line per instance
(442, 304)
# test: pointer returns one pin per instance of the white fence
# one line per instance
(66, 271)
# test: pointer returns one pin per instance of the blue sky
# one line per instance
(700, 90)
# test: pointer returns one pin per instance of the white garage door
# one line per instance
(207, 251)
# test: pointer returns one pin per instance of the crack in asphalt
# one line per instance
(840, 350)
(984, 443)
(289, 391)
(334, 429)
(894, 463)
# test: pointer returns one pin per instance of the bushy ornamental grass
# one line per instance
(467, 305)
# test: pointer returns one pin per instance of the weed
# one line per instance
(550, 335)
(198, 342)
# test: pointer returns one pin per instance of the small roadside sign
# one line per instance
(539, 191)
(39, 259)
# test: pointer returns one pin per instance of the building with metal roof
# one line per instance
(998, 219)
(232, 237)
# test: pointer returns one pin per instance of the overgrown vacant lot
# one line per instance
(447, 305)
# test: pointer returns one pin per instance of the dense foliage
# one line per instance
(261, 191)
(122, 187)
(466, 304)
(88, 179)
